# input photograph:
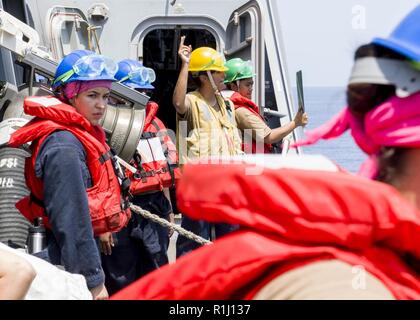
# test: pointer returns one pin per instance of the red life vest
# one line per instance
(242, 102)
(288, 217)
(108, 209)
(156, 157)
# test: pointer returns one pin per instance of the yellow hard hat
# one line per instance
(205, 58)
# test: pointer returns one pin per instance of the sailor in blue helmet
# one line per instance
(387, 66)
(73, 189)
(142, 246)
(133, 74)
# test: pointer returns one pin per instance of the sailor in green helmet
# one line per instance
(239, 79)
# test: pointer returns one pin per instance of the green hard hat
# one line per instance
(238, 70)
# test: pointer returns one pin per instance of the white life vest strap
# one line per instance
(126, 165)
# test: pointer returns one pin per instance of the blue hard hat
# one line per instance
(133, 74)
(405, 39)
(84, 65)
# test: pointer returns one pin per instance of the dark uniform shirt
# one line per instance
(61, 164)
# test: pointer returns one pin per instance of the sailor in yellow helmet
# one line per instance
(209, 117)
(206, 124)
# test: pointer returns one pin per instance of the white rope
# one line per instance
(155, 218)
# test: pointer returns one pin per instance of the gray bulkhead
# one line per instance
(150, 31)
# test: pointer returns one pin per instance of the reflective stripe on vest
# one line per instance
(156, 169)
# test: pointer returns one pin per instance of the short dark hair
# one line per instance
(229, 85)
(195, 77)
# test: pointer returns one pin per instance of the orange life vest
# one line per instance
(155, 158)
(288, 218)
(108, 207)
(240, 101)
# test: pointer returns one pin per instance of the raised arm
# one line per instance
(178, 99)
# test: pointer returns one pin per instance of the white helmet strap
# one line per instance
(386, 71)
(213, 84)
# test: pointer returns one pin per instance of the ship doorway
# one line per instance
(160, 52)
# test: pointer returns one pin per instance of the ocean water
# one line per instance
(321, 103)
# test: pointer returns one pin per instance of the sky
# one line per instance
(321, 36)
